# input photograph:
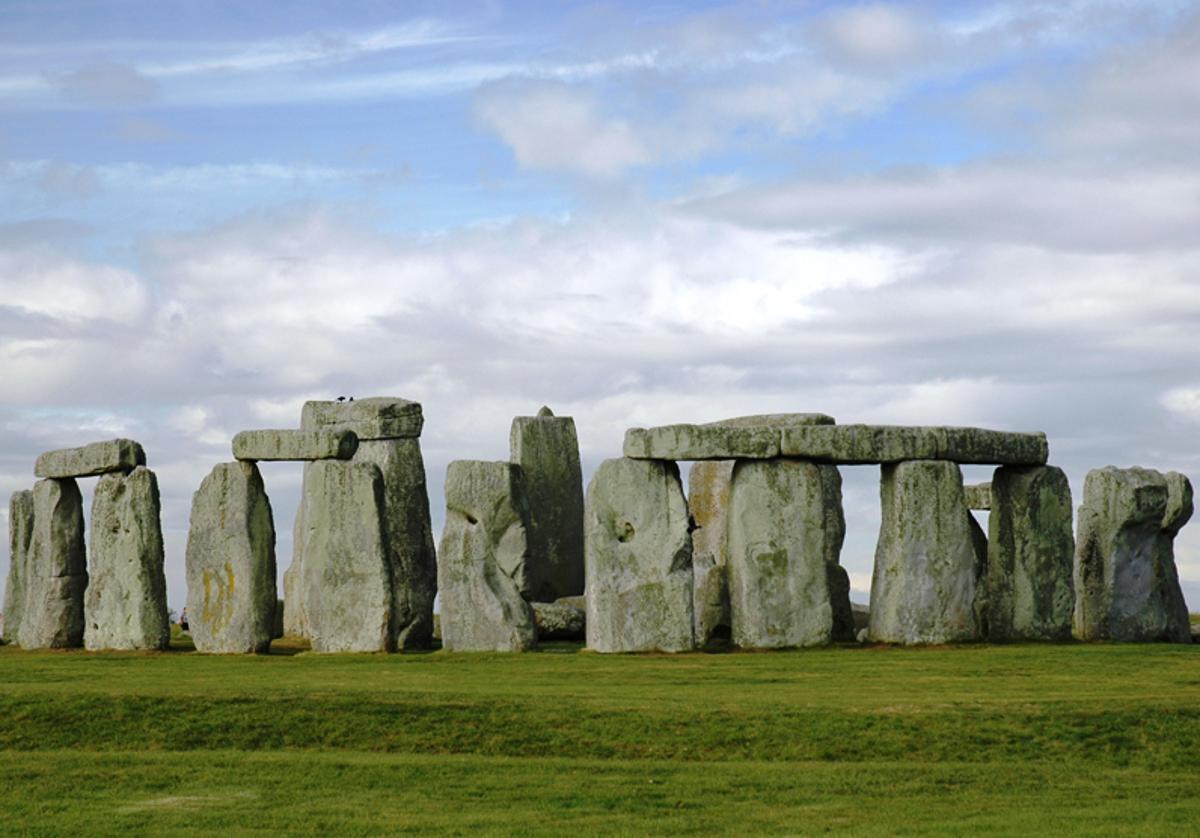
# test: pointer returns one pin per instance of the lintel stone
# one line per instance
(379, 417)
(741, 437)
(878, 444)
(91, 460)
(295, 445)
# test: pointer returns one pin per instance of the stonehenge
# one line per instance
(749, 555)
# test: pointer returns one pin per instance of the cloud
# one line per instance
(107, 83)
(1183, 402)
(67, 181)
(873, 35)
(40, 281)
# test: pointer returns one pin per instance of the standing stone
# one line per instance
(347, 579)
(56, 569)
(483, 560)
(126, 602)
(1125, 579)
(1030, 553)
(20, 532)
(547, 450)
(709, 485)
(924, 586)
(639, 558)
(783, 535)
(294, 623)
(231, 562)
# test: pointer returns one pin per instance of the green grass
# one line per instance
(1076, 739)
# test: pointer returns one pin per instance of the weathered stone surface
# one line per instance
(701, 442)
(924, 585)
(1179, 503)
(862, 616)
(294, 445)
(346, 581)
(126, 602)
(866, 444)
(380, 417)
(781, 544)
(90, 460)
(709, 484)
(20, 533)
(979, 541)
(979, 496)
(547, 450)
(773, 420)
(563, 619)
(839, 600)
(1031, 548)
(56, 569)
(294, 624)
(638, 558)
(231, 562)
(1125, 579)
(483, 560)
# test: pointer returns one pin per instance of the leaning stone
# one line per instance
(294, 445)
(866, 444)
(924, 586)
(562, 619)
(1030, 553)
(20, 532)
(90, 460)
(979, 496)
(1126, 583)
(231, 562)
(708, 502)
(780, 549)
(347, 578)
(380, 417)
(638, 558)
(547, 450)
(56, 569)
(483, 560)
(126, 602)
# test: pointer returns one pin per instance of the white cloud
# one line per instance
(1183, 402)
(41, 281)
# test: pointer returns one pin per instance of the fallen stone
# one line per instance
(1030, 554)
(56, 569)
(347, 577)
(868, 444)
(231, 562)
(979, 496)
(294, 445)
(90, 460)
(380, 417)
(547, 450)
(638, 559)
(924, 585)
(709, 484)
(20, 532)
(126, 602)
(483, 560)
(780, 547)
(1126, 584)
(560, 620)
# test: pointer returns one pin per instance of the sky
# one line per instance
(909, 213)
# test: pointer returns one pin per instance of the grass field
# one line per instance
(1074, 739)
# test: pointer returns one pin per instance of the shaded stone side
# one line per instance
(923, 589)
(783, 536)
(378, 417)
(547, 450)
(126, 602)
(709, 484)
(346, 581)
(56, 569)
(1126, 584)
(20, 533)
(483, 560)
(91, 460)
(638, 554)
(231, 562)
(1031, 550)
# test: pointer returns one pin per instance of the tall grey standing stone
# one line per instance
(784, 533)
(126, 602)
(483, 560)
(709, 484)
(547, 450)
(294, 624)
(1126, 584)
(1030, 553)
(231, 562)
(56, 570)
(20, 533)
(347, 578)
(639, 558)
(924, 585)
